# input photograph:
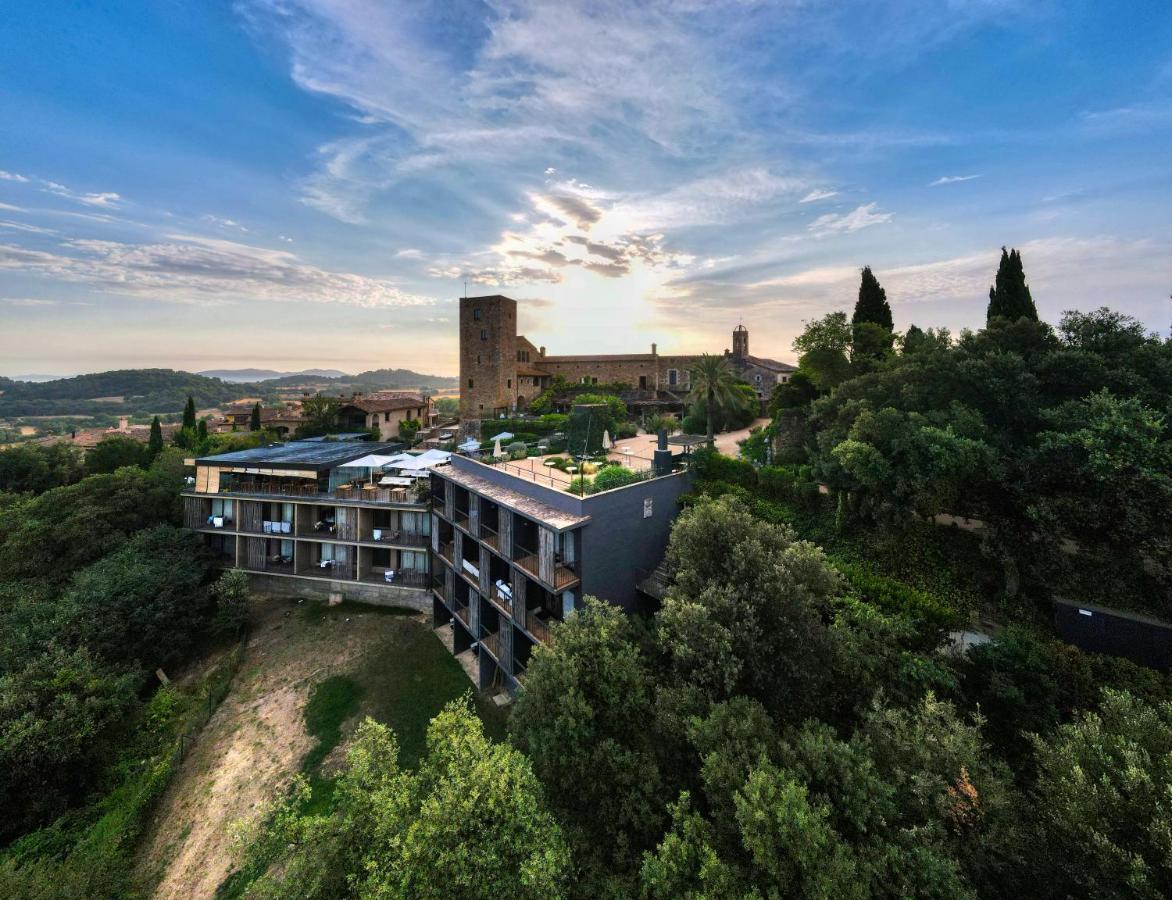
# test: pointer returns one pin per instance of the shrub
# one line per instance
(776, 482)
(517, 450)
(931, 618)
(808, 495)
(615, 477)
(711, 464)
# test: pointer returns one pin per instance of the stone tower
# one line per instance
(740, 342)
(488, 356)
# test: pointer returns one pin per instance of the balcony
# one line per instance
(398, 538)
(526, 559)
(563, 575)
(492, 643)
(460, 608)
(502, 597)
(537, 623)
(460, 517)
(448, 551)
(408, 578)
(491, 537)
(311, 490)
(520, 672)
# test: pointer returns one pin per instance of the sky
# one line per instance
(200, 184)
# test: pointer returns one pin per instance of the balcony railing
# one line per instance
(460, 517)
(491, 537)
(526, 559)
(398, 538)
(491, 641)
(502, 598)
(537, 626)
(461, 611)
(312, 491)
(410, 578)
(448, 551)
(563, 575)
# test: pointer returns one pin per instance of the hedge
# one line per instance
(932, 618)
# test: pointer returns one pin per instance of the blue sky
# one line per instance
(295, 183)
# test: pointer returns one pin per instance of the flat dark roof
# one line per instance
(318, 455)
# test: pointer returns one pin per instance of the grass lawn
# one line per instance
(403, 683)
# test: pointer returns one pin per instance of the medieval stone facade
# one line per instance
(501, 372)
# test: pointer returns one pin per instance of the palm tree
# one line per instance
(712, 382)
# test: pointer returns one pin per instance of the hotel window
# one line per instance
(508, 382)
(483, 334)
(469, 382)
(476, 314)
(673, 376)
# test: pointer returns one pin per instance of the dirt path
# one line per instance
(248, 753)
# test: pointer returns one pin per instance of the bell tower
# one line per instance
(740, 342)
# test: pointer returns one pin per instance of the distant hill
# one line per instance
(36, 378)
(148, 391)
(253, 375)
(121, 392)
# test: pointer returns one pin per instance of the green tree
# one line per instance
(824, 345)
(470, 822)
(745, 612)
(34, 468)
(155, 443)
(201, 434)
(321, 415)
(232, 593)
(189, 413)
(61, 714)
(583, 722)
(254, 418)
(408, 428)
(714, 384)
(872, 304)
(1009, 297)
(115, 451)
(1104, 802)
(145, 604)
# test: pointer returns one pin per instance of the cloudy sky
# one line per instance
(295, 183)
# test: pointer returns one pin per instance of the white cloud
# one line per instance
(11, 208)
(11, 176)
(28, 301)
(951, 179)
(23, 226)
(858, 218)
(103, 199)
(221, 222)
(816, 195)
(409, 253)
(186, 268)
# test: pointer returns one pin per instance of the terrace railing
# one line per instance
(490, 536)
(537, 626)
(312, 491)
(526, 559)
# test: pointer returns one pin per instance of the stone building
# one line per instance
(501, 372)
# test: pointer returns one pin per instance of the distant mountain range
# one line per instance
(252, 375)
(36, 378)
(164, 391)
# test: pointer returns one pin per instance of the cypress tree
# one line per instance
(1009, 296)
(189, 413)
(872, 304)
(254, 420)
(155, 444)
(202, 431)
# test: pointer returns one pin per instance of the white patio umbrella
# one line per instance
(607, 444)
(496, 450)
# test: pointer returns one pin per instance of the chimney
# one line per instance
(541, 351)
(653, 349)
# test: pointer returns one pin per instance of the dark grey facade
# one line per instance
(511, 558)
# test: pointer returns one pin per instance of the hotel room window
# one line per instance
(476, 314)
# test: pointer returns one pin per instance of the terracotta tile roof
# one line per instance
(532, 371)
(386, 402)
(599, 357)
(773, 365)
